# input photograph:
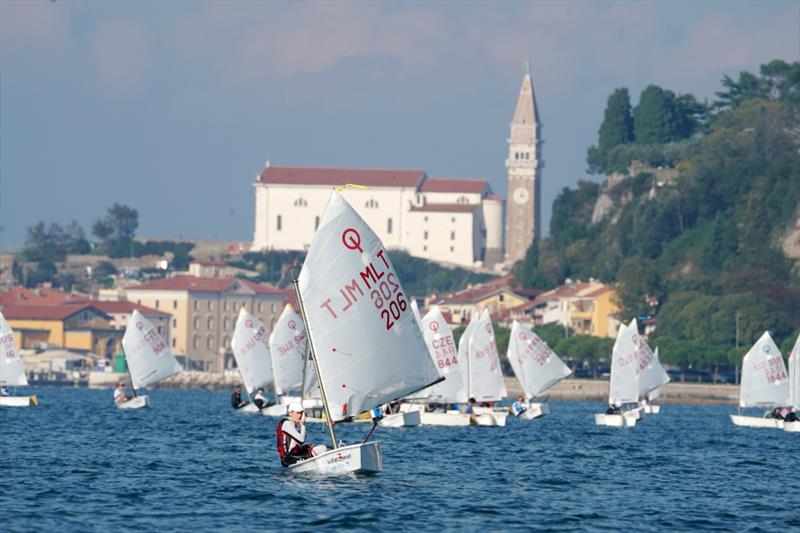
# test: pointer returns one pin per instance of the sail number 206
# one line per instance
(389, 300)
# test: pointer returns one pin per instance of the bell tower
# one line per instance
(524, 166)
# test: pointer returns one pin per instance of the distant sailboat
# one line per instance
(252, 355)
(624, 386)
(765, 384)
(12, 372)
(148, 358)
(365, 344)
(794, 387)
(652, 377)
(536, 366)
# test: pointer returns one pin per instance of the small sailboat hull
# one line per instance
(364, 458)
(535, 410)
(139, 402)
(401, 420)
(791, 427)
(757, 422)
(616, 421)
(280, 409)
(450, 419)
(247, 409)
(18, 401)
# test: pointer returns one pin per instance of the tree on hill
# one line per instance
(616, 129)
(116, 230)
(661, 117)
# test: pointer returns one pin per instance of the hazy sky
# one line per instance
(173, 107)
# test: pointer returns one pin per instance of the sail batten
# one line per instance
(12, 371)
(368, 345)
(148, 357)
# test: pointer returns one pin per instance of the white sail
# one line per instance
(655, 393)
(651, 374)
(146, 353)
(624, 387)
(794, 375)
(535, 364)
(251, 349)
(486, 383)
(765, 382)
(12, 372)
(369, 348)
(417, 316)
(442, 348)
(287, 347)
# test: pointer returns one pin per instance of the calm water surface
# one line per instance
(188, 463)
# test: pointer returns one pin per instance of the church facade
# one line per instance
(454, 221)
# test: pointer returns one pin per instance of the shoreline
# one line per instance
(571, 389)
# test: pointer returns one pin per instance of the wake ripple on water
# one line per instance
(76, 463)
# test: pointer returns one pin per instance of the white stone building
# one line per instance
(456, 221)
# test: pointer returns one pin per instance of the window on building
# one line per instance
(279, 223)
(425, 235)
(462, 200)
(210, 323)
(235, 306)
(425, 248)
(139, 302)
(173, 342)
(195, 342)
(389, 226)
(225, 324)
(174, 304)
(316, 222)
(157, 304)
(371, 203)
(196, 322)
(452, 249)
(516, 155)
(300, 202)
(160, 330)
(225, 305)
(272, 307)
(452, 235)
(174, 322)
(226, 342)
(210, 342)
(195, 305)
(210, 305)
(260, 307)
(425, 219)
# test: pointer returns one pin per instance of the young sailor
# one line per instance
(236, 398)
(291, 436)
(260, 400)
(119, 394)
(517, 407)
(473, 416)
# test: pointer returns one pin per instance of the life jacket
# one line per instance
(283, 439)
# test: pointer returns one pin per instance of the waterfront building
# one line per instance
(495, 296)
(204, 312)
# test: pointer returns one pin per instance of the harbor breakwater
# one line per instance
(568, 389)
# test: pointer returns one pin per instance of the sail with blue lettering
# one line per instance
(250, 347)
(287, 348)
(12, 372)
(366, 340)
(535, 364)
(148, 357)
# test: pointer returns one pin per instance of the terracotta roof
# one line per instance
(445, 208)
(197, 284)
(43, 296)
(127, 307)
(371, 177)
(493, 197)
(45, 312)
(454, 185)
(208, 262)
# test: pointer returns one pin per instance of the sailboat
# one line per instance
(536, 366)
(794, 387)
(624, 386)
(147, 357)
(442, 349)
(252, 355)
(366, 347)
(485, 380)
(12, 372)
(652, 377)
(765, 384)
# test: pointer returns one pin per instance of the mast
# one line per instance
(128, 368)
(328, 417)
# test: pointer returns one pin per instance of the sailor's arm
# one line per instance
(290, 429)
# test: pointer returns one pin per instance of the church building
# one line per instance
(454, 221)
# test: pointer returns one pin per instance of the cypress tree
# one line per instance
(657, 118)
(616, 129)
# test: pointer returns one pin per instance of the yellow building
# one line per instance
(495, 296)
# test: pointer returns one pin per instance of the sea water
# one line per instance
(188, 463)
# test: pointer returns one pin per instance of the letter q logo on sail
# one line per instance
(249, 323)
(523, 336)
(434, 326)
(140, 325)
(766, 348)
(292, 325)
(488, 328)
(352, 239)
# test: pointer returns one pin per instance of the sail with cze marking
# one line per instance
(535, 364)
(765, 382)
(368, 346)
(486, 383)
(442, 348)
(287, 347)
(12, 372)
(624, 386)
(146, 353)
(251, 349)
